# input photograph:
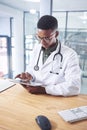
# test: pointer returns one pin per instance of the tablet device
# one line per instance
(23, 82)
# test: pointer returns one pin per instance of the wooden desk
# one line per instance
(18, 110)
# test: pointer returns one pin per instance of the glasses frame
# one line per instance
(47, 39)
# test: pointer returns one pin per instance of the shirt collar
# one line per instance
(49, 50)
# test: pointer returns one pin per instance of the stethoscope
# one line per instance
(36, 67)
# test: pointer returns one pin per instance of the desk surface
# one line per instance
(18, 110)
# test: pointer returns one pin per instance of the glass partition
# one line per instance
(30, 25)
(77, 37)
(73, 32)
(61, 17)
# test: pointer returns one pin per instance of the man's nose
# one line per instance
(42, 40)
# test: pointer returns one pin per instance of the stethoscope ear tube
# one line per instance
(36, 67)
(59, 52)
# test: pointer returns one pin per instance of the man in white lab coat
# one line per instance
(54, 66)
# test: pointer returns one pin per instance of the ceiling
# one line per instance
(23, 5)
(58, 5)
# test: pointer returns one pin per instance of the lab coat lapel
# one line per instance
(49, 59)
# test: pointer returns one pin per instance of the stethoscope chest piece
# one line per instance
(36, 67)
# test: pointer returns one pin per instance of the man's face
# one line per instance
(47, 37)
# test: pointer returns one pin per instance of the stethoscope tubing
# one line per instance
(59, 52)
(36, 67)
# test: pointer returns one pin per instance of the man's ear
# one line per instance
(57, 33)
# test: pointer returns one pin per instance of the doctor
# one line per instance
(53, 65)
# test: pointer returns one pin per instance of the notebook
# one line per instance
(5, 84)
(75, 114)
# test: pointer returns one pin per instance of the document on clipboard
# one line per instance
(75, 114)
(5, 84)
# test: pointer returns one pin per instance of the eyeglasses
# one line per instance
(47, 39)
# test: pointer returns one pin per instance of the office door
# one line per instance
(5, 57)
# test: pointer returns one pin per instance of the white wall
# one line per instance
(45, 7)
(18, 35)
(4, 26)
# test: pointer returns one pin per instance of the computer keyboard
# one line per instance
(75, 114)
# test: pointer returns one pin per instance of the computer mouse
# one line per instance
(43, 122)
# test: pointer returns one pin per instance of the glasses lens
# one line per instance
(47, 39)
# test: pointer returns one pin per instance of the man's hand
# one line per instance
(35, 90)
(24, 76)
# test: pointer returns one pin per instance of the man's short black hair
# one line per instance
(47, 22)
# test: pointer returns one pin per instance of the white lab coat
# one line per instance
(67, 82)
